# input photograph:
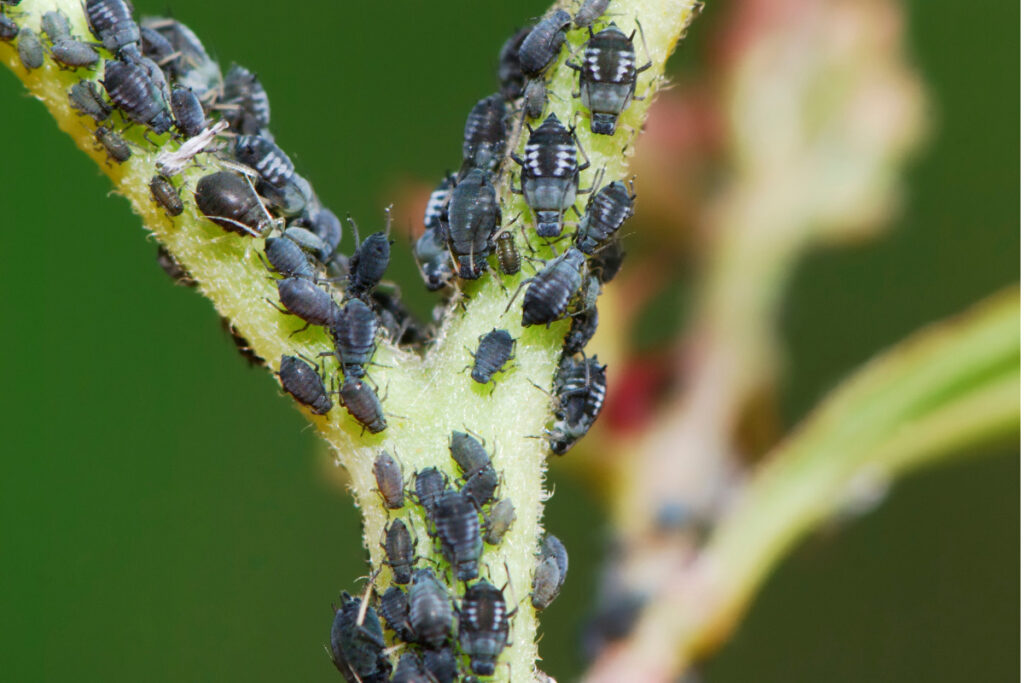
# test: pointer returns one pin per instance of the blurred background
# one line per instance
(166, 515)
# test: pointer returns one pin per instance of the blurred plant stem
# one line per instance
(947, 390)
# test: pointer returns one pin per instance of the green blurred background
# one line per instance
(165, 516)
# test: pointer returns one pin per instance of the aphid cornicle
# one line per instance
(354, 332)
(357, 643)
(550, 179)
(30, 49)
(85, 98)
(112, 22)
(498, 521)
(542, 44)
(230, 201)
(510, 72)
(287, 258)
(362, 404)
(581, 331)
(458, 527)
(480, 476)
(553, 288)
(188, 112)
(368, 264)
(440, 664)
(115, 146)
(550, 573)
(166, 195)
(580, 390)
(399, 549)
(394, 607)
(589, 12)
(429, 486)
(388, 474)
(607, 209)
(265, 158)
(608, 77)
(494, 351)
(483, 139)
(304, 383)
(304, 299)
(483, 626)
(132, 89)
(430, 609)
(473, 215)
(246, 106)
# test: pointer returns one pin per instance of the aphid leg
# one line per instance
(516, 293)
(643, 41)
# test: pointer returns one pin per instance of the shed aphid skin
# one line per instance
(440, 664)
(430, 609)
(494, 351)
(580, 392)
(30, 49)
(390, 482)
(481, 479)
(485, 133)
(132, 89)
(483, 626)
(550, 292)
(399, 551)
(474, 214)
(589, 12)
(116, 146)
(166, 195)
(548, 577)
(394, 607)
(111, 21)
(188, 112)
(285, 257)
(507, 253)
(301, 297)
(244, 103)
(85, 98)
(608, 77)
(429, 485)
(172, 161)
(458, 527)
(550, 178)
(305, 383)
(498, 521)
(354, 332)
(607, 210)
(357, 643)
(363, 405)
(543, 43)
(230, 201)
(510, 72)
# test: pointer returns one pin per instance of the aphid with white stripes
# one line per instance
(608, 77)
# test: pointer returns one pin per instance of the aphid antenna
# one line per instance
(516, 293)
(365, 601)
(643, 41)
(355, 228)
(388, 220)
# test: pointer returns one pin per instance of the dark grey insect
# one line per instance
(435, 265)
(440, 664)
(8, 29)
(174, 270)
(354, 332)
(580, 391)
(287, 258)
(401, 325)
(30, 49)
(608, 77)
(112, 22)
(473, 215)
(388, 474)
(305, 240)
(543, 43)
(191, 66)
(430, 485)
(509, 260)
(581, 331)
(245, 104)
(550, 179)
(477, 470)
(327, 227)
(56, 26)
(607, 210)
(74, 54)
(435, 215)
(357, 643)
(409, 670)
(368, 264)
(166, 195)
(230, 201)
(362, 403)
(188, 112)
(157, 47)
(430, 609)
(458, 527)
(491, 355)
(116, 147)
(242, 345)
(510, 71)
(304, 299)
(483, 626)
(606, 261)
(394, 607)
(589, 12)
(399, 549)
(535, 98)
(553, 288)
(303, 381)
(550, 573)
(483, 139)
(132, 89)
(498, 521)
(85, 97)
(290, 198)
(266, 158)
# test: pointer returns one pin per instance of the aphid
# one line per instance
(74, 54)
(305, 240)
(606, 261)
(192, 67)
(409, 670)
(552, 289)
(483, 626)
(402, 327)
(327, 227)
(362, 403)
(498, 521)
(8, 29)
(230, 201)
(287, 258)
(473, 215)
(491, 355)
(157, 47)
(399, 549)
(354, 332)
(580, 392)
(510, 71)
(481, 479)
(166, 195)
(458, 527)
(304, 299)
(509, 261)
(112, 22)
(266, 158)
(543, 43)
(116, 147)
(429, 485)
(242, 345)
(188, 112)
(550, 573)
(430, 609)
(483, 139)
(550, 178)
(435, 215)
(357, 643)
(56, 26)
(435, 265)
(589, 12)
(440, 664)
(290, 198)
(608, 77)
(394, 607)
(85, 98)
(388, 474)
(581, 331)
(245, 104)
(535, 98)
(303, 381)
(607, 210)
(132, 89)
(174, 270)
(369, 262)
(30, 48)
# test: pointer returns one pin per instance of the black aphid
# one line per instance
(498, 521)
(440, 664)
(509, 260)
(85, 98)
(550, 178)
(535, 98)
(157, 47)
(542, 44)
(112, 22)
(435, 215)
(188, 112)
(303, 381)
(409, 670)
(303, 298)
(327, 227)
(132, 89)
(394, 607)
(473, 215)
(432, 257)
(166, 195)
(580, 390)
(290, 198)
(483, 626)
(230, 201)
(607, 261)
(357, 643)
(458, 527)
(400, 324)
(174, 270)
(242, 345)
(368, 264)
(362, 403)
(589, 12)
(266, 158)
(116, 147)
(480, 477)
(354, 332)
(553, 288)
(30, 49)
(483, 139)
(191, 66)
(56, 26)
(607, 210)
(491, 355)
(287, 258)
(608, 77)
(305, 240)
(430, 609)
(550, 573)
(8, 29)
(399, 549)
(388, 474)
(74, 54)
(430, 484)
(510, 72)
(245, 104)
(581, 331)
